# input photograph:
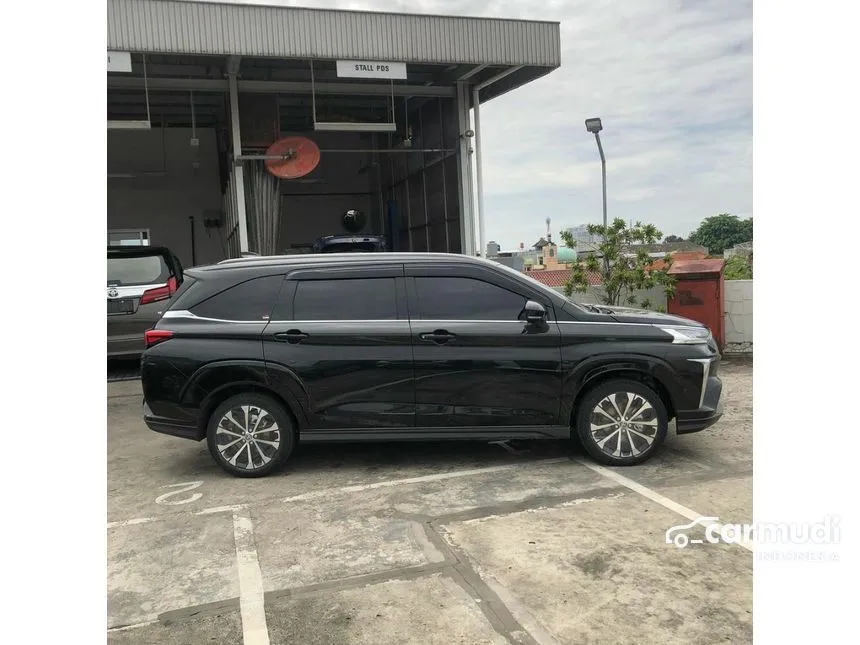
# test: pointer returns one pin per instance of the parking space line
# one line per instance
(125, 628)
(357, 488)
(251, 599)
(654, 496)
(137, 520)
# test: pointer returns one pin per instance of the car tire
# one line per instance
(611, 438)
(243, 438)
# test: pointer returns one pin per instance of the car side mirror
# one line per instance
(535, 312)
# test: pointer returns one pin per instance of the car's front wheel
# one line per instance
(250, 435)
(621, 422)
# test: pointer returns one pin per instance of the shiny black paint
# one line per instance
(378, 380)
(180, 375)
(355, 373)
(488, 374)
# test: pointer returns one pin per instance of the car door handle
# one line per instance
(440, 336)
(292, 336)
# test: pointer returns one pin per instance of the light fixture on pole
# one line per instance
(595, 126)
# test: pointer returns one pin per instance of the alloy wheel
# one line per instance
(248, 437)
(624, 424)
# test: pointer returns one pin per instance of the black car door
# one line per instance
(478, 363)
(342, 334)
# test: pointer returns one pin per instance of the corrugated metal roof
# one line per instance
(184, 27)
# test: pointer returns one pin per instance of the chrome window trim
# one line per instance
(183, 313)
(188, 315)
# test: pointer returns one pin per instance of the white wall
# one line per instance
(657, 296)
(739, 315)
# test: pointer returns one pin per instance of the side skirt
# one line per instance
(461, 433)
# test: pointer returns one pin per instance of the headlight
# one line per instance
(688, 335)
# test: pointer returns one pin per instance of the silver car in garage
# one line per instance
(140, 281)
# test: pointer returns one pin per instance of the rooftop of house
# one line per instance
(557, 277)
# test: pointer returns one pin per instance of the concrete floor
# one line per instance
(426, 543)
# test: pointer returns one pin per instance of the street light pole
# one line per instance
(595, 126)
(603, 169)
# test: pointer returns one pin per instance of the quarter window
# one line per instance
(251, 300)
(466, 299)
(345, 299)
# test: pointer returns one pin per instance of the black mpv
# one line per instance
(255, 354)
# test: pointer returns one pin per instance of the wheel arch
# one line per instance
(626, 371)
(215, 382)
(218, 396)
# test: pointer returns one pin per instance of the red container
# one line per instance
(700, 294)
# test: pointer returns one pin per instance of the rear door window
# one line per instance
(346, 299)
(127, 271)
(249, 301)
(460, 298)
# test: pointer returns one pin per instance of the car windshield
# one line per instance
(136, 270)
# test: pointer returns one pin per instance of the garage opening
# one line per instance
(355, 156)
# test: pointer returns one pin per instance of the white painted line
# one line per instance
(220, 509)
(357, 488)
(137, 520)
(127, 627)
(251, 599)
(654, 496)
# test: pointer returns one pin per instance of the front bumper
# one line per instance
(171, 427)
(707, 414)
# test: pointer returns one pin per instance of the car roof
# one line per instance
(323, 259)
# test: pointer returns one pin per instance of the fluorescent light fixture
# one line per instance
(129, 125)
(354, 127)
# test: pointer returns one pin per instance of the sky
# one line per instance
(672, 82)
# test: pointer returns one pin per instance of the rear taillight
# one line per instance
(160, 293)
(154, 336)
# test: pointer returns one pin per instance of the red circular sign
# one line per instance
(304, 157)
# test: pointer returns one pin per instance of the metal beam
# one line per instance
(238, 170)
(233, 63)
(479, 175)
(464, 166)
(458, 73)
(276, 87)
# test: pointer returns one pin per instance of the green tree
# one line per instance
(672, 238)
(738, 267)
(623, 269)
(722, 232)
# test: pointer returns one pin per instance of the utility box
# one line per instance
(700, 294)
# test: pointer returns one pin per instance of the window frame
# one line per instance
(479, 273)
(284, 310)
(142, 234)
(264, 321)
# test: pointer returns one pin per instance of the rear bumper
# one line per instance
(170, 427)
(125, 346)
(707, 414)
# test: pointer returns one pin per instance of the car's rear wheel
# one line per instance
(250, 435)
(621, 422)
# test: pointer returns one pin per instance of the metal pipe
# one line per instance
(238, 170)
(279, 87)
(479, 170)
(193, 242)
(334, 151)
(479, 173)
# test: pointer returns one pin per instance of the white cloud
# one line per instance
(672, 81)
